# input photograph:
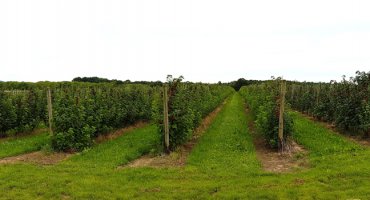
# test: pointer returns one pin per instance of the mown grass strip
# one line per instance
(226, 145)
(320, 140)
(119, 151)
(26, 144)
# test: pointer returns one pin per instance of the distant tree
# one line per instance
(243, 82)
(115, 81)
(93, 79)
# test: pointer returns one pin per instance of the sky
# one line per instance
(203, 40)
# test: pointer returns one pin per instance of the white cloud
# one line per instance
(204, 40)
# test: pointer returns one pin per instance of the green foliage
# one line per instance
(24, 144)
(263, 100)
(346, 103)
(119, 151)
(21, 110)
(72, 140)
(94, 80)
(243, 82)
(223, 165)
(188, 104)
(319, 140)
(114, 81)
(82, 112)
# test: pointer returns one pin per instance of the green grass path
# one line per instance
(227, 143)
(25, 144)
(119, 151)
(319, 139)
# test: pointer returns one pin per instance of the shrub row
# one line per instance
(82, 113)
(21, 111)
(263, 101)
(188, 104)
(345, 103)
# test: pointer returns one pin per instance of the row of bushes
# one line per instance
(345, 103)
(21, 111)
(23, 105)
(82, 113)
(263, 101)
(188, 104)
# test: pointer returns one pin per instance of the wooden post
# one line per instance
(318, 90)
(281, 115)
(292, 93)
(165, 120)
(50, 111)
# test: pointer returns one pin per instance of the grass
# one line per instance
(24, 144)
(226, 144)
(119, 151)
(222, 165)
(320, 140)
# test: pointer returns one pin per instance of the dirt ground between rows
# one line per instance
(179, 157)
(294, 158)
(37, 157)
(46, 158)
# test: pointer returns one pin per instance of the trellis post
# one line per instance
(165, 119)
(281, 115)
(50, 111)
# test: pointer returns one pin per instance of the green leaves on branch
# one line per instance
(263, 101)
(344, 103)
(21, 110)
(82, 112)
(188, 104)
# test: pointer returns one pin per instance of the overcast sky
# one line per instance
(203, 40)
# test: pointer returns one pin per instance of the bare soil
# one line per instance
(357, 139)
(292, 159)
(37, 157)
(177, 158)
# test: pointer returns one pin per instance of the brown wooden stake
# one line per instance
(281, 115)
(292, 94)
(318, 90)
(50, 111)
(165, 120)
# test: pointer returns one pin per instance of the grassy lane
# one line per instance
(319, 139)
(91, 174)
(26, 144)
(339, 166)
(227, 146)
(122, 150)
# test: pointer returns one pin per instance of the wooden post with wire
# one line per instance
(281, 115)
(50, 111)
(165, 120)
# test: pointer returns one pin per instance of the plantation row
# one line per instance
(264, 100)
(21, 110)
(345, 103)
(83, 111)
(187, 104)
